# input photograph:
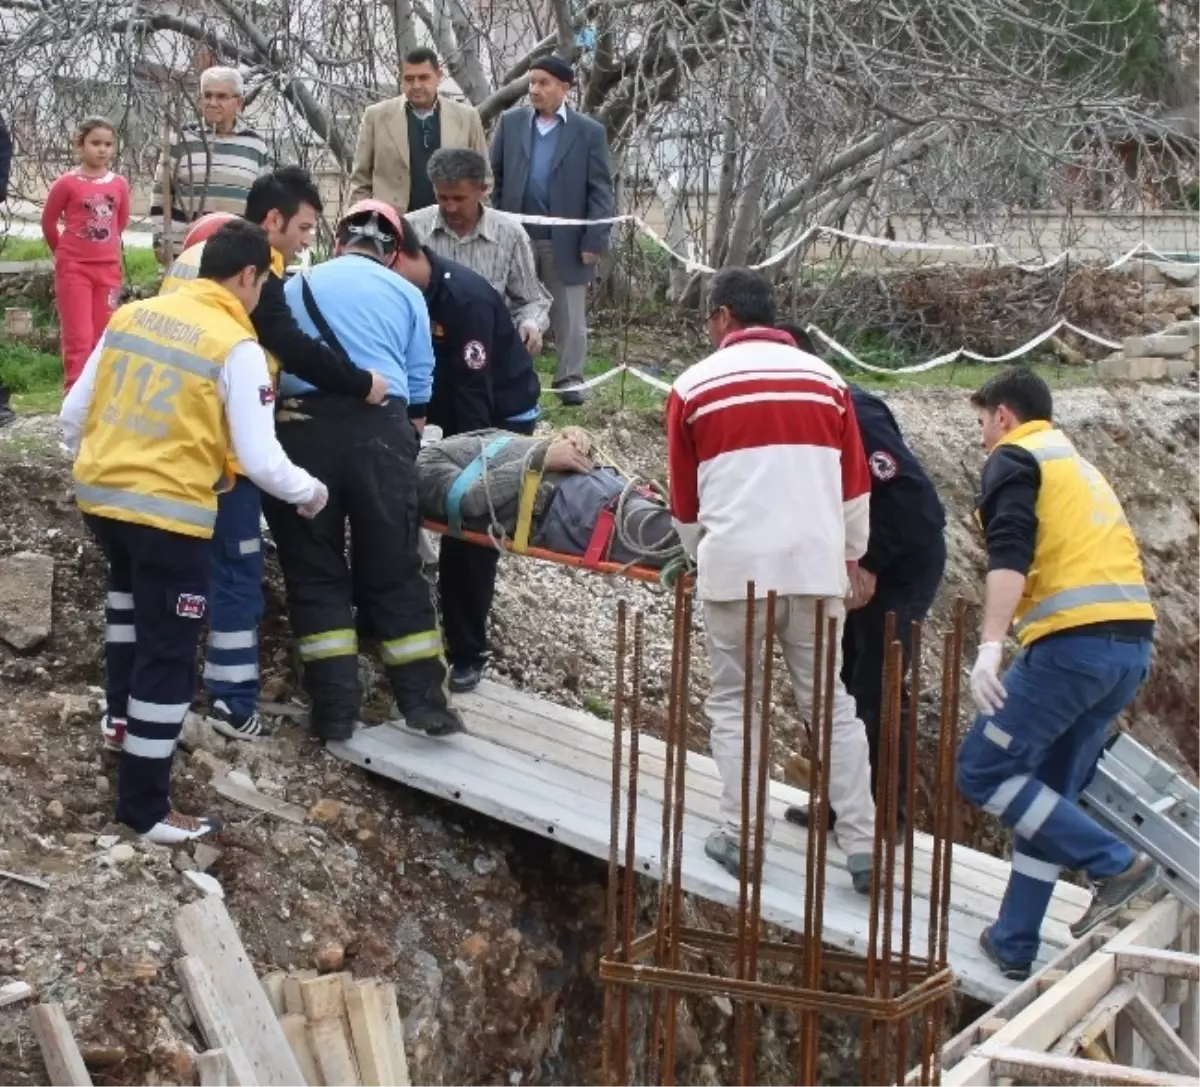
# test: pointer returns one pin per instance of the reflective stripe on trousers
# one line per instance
(413, 647)
(328, 643)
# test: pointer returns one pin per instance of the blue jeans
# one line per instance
(235, 600)
(1028, 764)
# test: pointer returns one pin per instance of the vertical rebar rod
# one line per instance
(882, 762)
(750, 656)
(895, 654)
(807, 1070)
(910, 771)
(683, 653)
(635, 724)
(664, 853)
(614, 834)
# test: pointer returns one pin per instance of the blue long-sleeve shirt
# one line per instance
(379, 318)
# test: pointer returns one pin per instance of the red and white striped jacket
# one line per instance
(768, 478)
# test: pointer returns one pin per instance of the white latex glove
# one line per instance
(986, 689)
(315, 504)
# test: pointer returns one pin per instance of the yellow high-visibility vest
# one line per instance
(1086, 567)
(185, 269)
(155, 439)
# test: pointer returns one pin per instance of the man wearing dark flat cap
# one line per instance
(548, 160)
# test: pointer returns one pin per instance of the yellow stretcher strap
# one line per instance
(529, 490)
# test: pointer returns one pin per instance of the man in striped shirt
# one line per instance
(212, 166)
(769, 484)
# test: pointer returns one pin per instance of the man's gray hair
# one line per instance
(748, 296)
(229, 76)
(453, 164)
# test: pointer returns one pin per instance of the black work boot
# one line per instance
(331, 725)
(422, 698)
(464, 678)
(1113, 894)
(432, 719)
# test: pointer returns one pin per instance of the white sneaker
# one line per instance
(175, 828)
(112, 729)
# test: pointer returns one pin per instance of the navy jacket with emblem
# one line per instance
(907, 518)
(483, 374)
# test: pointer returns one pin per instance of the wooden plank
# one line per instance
(295, 1029)
(1033, 1068)
(14, 991)
(1052, 1014)
(1169, 964)
(272, 984)
(207, 933)
(334, 1056)
(324, 997)
(368, 1031)
(1167, 1045)
(213, 1068)
(1096, 1023)
(293, 999)
(64, 1065)
(215, 1023)
(252, 798)
(1189, 1008)
(394, 1027)
(29, 881)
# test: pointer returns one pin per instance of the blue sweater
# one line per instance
(536, 199)
(380, 319)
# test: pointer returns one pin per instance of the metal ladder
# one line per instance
(1147, 803)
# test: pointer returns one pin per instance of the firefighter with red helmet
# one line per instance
(361, 308)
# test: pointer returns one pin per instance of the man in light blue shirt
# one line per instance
(366, 312)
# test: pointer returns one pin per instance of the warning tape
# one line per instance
(845, 352)
(691, 265)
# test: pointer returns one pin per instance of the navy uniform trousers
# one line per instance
(154, 610)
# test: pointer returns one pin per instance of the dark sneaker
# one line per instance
(1011, 970)
(112, 731)
(235, 725)
(1113, 894)
(722, 847)
(570, 393)
(859, 866)
(464, 678)
(433, 720)
(175, 828)
(798, 815)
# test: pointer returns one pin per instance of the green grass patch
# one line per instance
(621, 393)
(25, 370)
(140, 267)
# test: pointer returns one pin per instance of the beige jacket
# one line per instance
(381, 161)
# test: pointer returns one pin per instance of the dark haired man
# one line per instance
(398, 137)
(286, 203)
(484, 378)
(899, 572)
(173, 387)
(368, 455)
(1064, 571)
(769, 485)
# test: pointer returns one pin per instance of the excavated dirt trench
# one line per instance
(493, 936)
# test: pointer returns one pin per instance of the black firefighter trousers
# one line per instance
(367, 457)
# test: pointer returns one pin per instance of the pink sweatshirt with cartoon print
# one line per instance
(84, 217)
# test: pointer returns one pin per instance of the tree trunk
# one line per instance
(404, 26)
(749, 203)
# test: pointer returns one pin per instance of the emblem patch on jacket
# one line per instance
(883, 465)
(475, 355)
(266, 395)
(190, 606)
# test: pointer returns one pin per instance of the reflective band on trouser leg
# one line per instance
(1016, 935)
(328, 643)
(468, 476)
(120, 641)
(1080, 597)
(413, 647)
(145, 773)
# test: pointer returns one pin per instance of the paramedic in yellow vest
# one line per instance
(1064, 572)
(286, 203)
(176, 385)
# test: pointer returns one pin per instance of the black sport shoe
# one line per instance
(1113, 894)
(235, 725)
(464, 678)
(1011, 970)
(798, 815)
(571, 394)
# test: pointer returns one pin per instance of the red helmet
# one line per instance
(205, 227)
(371, 221)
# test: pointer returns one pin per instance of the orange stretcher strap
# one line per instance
(602, 533)
(637, 573)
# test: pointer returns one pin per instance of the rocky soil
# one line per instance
(492, 936)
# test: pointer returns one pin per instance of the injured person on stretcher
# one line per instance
(490, 481)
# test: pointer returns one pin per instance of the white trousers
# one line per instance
(795, 624)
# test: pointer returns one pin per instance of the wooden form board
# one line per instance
(547, 769)
(1099, 989)
(64, 1064)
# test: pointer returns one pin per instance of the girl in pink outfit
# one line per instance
(92, 203)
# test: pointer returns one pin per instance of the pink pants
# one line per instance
(87, 294)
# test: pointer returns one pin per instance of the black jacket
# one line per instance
(483, 375)
(907, 518)
(300, 354)
(5, 159)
